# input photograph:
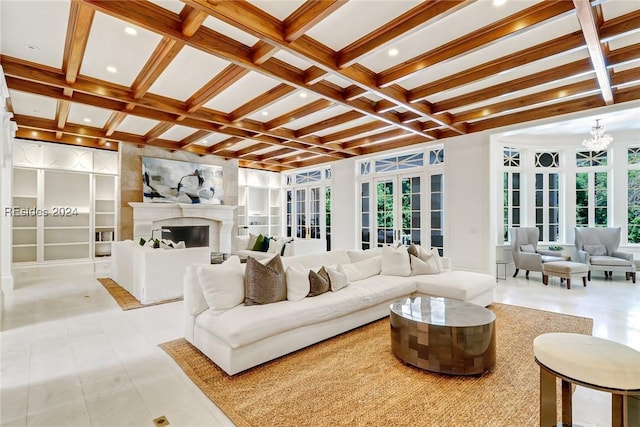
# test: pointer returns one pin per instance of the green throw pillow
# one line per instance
(258, 244)
(265, 244)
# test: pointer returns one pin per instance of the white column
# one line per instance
(7, 133)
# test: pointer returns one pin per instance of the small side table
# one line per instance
(504, 264)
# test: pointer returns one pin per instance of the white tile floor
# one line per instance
(71, 357)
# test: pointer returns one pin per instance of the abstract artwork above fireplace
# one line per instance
(172, 181)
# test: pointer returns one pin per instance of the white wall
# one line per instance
(7, 132)
(468, 227)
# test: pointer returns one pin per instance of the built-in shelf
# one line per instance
(259, 202)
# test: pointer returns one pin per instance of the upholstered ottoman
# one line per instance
(590, 362)
(565, 270)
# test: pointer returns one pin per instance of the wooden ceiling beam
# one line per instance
(160, 59)
(222, 145)
(306, 144)
(249, 18)
(328, 123)
(27, 133)
(589, 27)
(157, 19)
(261, 101)
(276, 153)
(298, 113)
(554, 74)
(353, 132)
(78, 29)
(557, 46)
(626, 76)
(192, 19)
(230, 75)
(620, 26)
(150, 106)
(62, 113)
(379, 137)
(194, 138)
(307, 16)
(156, 131)
(113, 122)
(556, 94)
(251, 149)
(262, 51)
(572, 106)
(404, 25)
(507, 27)
(391, 145)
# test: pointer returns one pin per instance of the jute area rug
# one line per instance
(125, 300)
(354, 379)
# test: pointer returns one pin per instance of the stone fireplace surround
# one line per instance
(150, 216)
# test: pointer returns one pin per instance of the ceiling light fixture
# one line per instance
(303, 94)
(265, 113)
(598, 141)
(78, 139)
(112, 69)
(108, 144)
(393, 52)
(32, 47)
(131, 31)
(499, 2)
(86, 120)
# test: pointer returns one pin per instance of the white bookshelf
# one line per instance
(259, 204)
(72, 195)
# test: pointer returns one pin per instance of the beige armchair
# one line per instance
(598, 248)
(524, 248)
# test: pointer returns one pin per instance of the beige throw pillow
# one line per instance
(222, 285)
(419, 266)
(297, 282)
(337, 278)
(264, 284)
(395, 261)
(363, 269)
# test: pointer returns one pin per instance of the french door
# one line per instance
(308, 223)
(397, 202)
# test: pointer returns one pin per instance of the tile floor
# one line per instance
(71, 357)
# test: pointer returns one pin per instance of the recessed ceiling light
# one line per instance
(86, 120)
(204, 141)
(393, 52)
(112, 69)
(108, 144)
(32, 47)
(499, 2)
(303, 94)
(34, 133)
(265, 113)
(78, 139)
(131, 31)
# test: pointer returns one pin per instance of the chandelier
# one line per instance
(598, 141)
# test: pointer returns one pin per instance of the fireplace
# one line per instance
(193, 236)
(217, 219)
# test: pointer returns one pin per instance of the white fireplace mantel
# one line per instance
(219, 218)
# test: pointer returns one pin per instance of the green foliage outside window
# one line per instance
(634, 206)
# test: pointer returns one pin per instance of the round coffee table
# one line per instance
(443, 335)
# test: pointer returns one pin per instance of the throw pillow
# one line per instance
(528, 249)
(276, 246)
(363, 269)
(418, 266)
(222, 285)
(258, 244)
(297, 282)
(318, 282)
(413, 250)
(395, 261)
(252, 241)
(337, 278)
(264, 283)
(595, 250)
(264, 247)
(436, 255)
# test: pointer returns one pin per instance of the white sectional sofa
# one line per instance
(295, 247)
(241, 337)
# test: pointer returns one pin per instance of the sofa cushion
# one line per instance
(363, 269)
(419, 267)
(527, 249)
(318, 282)
(395, 261)
(356, 256)
(337, 278)
(595, 250)
(244, 325)
(460, 285)
(609, 260)
(316, 260)
(264, 283)
(222, 285)
(297, 279)
(257, 246)
(276, 246)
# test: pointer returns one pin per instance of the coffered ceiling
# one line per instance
(281, 84)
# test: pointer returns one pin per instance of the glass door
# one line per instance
(398, 207)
